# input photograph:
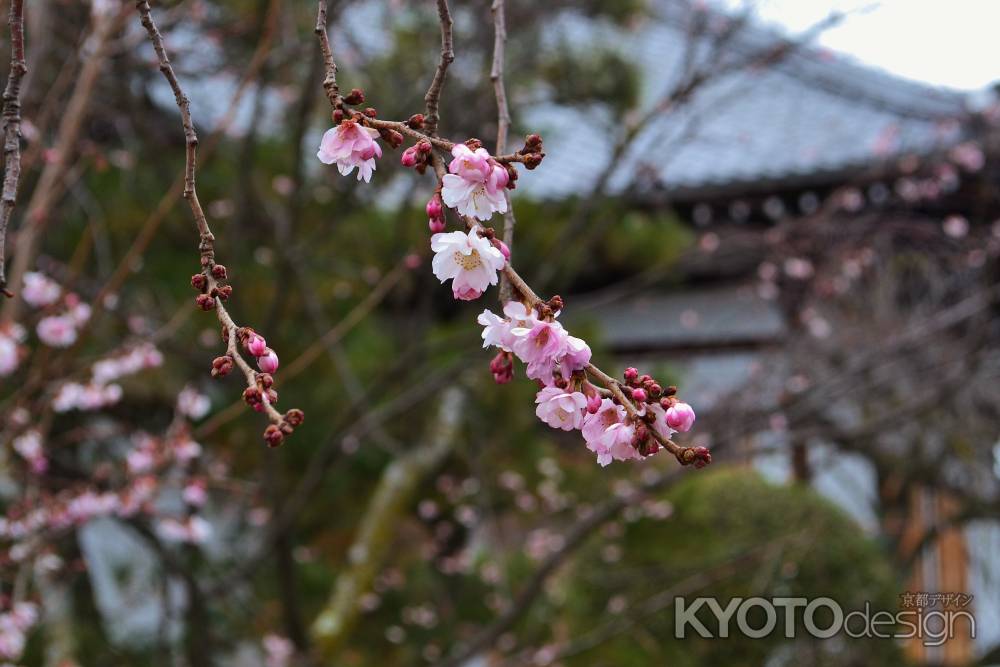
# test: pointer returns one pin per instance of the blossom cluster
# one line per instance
(15, 623)
(102, 390)
(568, 401)
(60, 329)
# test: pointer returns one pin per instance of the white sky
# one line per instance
(944, 42)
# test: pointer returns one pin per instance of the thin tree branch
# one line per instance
(206, 245)
(433, 96)
(12, 130)
(503, 126)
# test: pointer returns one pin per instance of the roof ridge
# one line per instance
(841, 75)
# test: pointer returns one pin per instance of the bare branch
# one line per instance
(503, 126)
(206, 245)
(12, 129)
(433, 96)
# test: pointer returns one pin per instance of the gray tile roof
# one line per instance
(813, 113)
(704, 317)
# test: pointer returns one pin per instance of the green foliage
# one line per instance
(732, 534)
(594, 75)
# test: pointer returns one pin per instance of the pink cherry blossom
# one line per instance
(577, 355)
(350, 145)
(57, 330)
(680, 417)
(29, 446)
(608, 435)
(193, 404)
(195, 493)
(541, 348)
(475, 186)
(560, 409)
(39, 290)
(468, 260)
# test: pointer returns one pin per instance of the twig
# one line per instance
(433, 96)
(12, 130)
(206, 245)
(503, 126)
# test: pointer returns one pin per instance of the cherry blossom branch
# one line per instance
(12, 130)
(476, 188)
(258, 393)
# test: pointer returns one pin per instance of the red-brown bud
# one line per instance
(416, 121)
(265, 380)
(222, 366)
(424, 146)
(205, 302)
(533, 142)
(273, 436)
(295, 417)
(532, 160)
(356, 96)
(199, 281)
(473, 143)
(337, 116)
(251, 396)
(219, 272)
(370, 112)
(225, 292)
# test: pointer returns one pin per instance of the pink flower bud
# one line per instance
(436, 225)
(409, 158)
(434, 207)
(593, 403)
(502, 368)
(680, 417)
(256, 345)
(467, 293)
(639, 395)
(268, 362)
(631, 373)
(502, 247)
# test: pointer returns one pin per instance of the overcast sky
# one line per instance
(945, 42)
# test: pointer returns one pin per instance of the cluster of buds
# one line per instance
(357, 96)
(211, 290)
(262, 394)
(418, 156)
(435, 214)
(532, 153)
(275, 434)
(646, 390)
(254, 344)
